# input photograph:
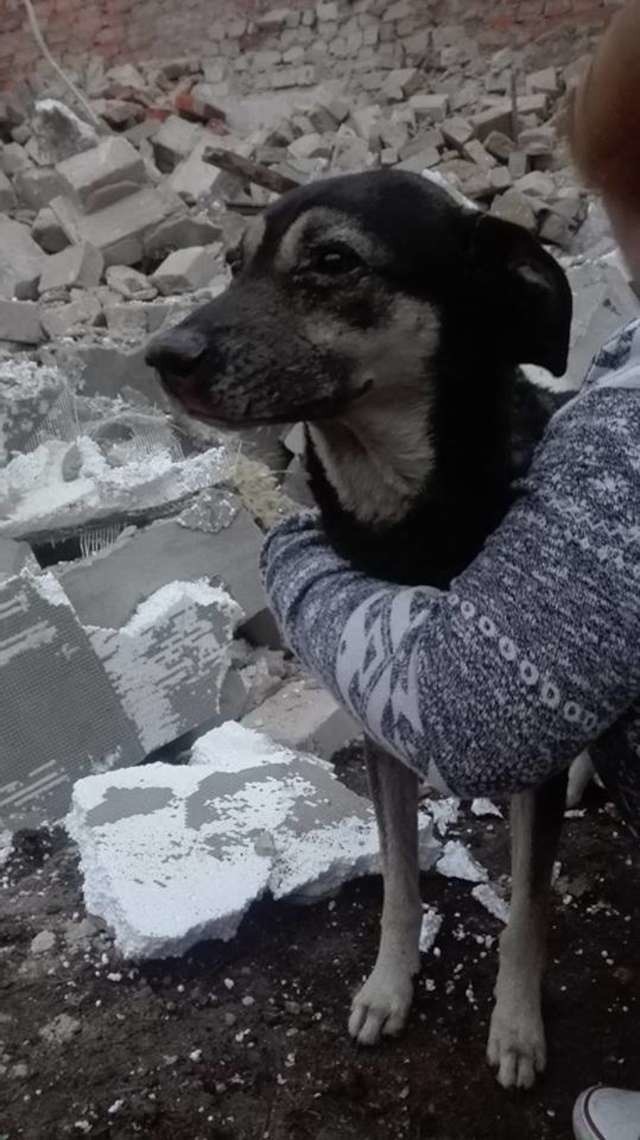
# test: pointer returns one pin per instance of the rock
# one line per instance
(79, 265)
(72, 722)
(402, 83)
(311, 146)
(21, 260)
(188, 269)
(126, 321)
(430, 108)
(20, 322)
(500, 179)
(14, 158)
(60, 1030)
(518, 164)
(99, 177)
(168, 663)
(303, 715)
(48, 233)
(43, 942)
(214, 539)
(7, 195)
(475, 152)
(174, 142)
(537, 183)
(538, 141)
(499, 145)
(424, 159)
(119, 230)
(193, 179)
(172, 855)
(515, 207)
(35, 186)
(545, 82)
(60, 133)
(130, 283)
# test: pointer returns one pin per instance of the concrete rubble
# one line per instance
(130, 603)
(173, 855)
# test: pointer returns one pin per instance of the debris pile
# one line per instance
(132, 619)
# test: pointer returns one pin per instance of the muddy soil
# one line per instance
(246, 1040)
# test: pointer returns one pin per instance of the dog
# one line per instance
(392, 321)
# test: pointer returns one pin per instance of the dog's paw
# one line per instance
(382, 1006)
(516, 1047)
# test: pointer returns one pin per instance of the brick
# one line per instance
(457, 132)
(7, 195)
(188, 269)
(80, 265)
(120, 229)
(174, 141)
(515, 207)
(102, 176)
(48, 233)
(430, 108)
(498, 118)
(21, 261)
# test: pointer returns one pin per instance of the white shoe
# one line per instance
(607, 1114)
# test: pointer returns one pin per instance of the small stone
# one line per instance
(187, 269)
(78, 265)
(537, 183)
(130, 283)
(457, 132)
(545, 81)
(499, 145)
(432, 108)
(43, 942)
(60, 1030)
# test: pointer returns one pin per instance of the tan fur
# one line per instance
(378, 454)
(335, 226)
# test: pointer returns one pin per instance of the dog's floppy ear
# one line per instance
(520, 294)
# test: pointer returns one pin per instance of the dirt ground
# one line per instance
(246, 1040)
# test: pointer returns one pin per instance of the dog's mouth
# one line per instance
(241, 411)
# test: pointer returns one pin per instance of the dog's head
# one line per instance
(347, 288)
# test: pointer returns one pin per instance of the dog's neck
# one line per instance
(378, 456)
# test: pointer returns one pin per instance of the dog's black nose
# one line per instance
(176, 351)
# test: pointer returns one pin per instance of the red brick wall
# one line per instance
(129, 29)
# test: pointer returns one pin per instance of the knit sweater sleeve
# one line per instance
(496, 684)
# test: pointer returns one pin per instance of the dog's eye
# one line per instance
(333, 260)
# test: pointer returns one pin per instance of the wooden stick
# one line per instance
(248, 169)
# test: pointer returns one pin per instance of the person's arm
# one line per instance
(496, 684)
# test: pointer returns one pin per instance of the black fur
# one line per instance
(501, 300)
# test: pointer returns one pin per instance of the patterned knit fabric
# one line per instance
(534, 652)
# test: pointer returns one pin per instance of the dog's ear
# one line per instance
(520, 294)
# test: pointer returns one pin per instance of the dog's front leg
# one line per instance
(382, 1005)
(516, 1037)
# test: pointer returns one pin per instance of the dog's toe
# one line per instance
(381, 1007)
(516, 1048)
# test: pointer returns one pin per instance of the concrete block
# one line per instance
(193, 179)
(173, 855)
(545, 81)
(20, 322)
(7, 195)
(515, 207)
(174, 142)
(99, 177)
(497, 118)
(21, 260)
(499, 145)
(181, 232)
(304, 715)
(48, 233)
(311, 146)
(422, 160)
(169, 661)
(188, 269)
(79, 265)
(457, 132)
(60, 716)
(61, 133)
(14, 557)
(537, 183)
(212, 538)
(120, 229)
(126, 321)
(35, 186)
(130, 283)
(603, 302)
(430, 108)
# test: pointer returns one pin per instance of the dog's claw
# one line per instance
(382, 1006)
(516, 1048)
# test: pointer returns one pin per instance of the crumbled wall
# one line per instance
(122, 30)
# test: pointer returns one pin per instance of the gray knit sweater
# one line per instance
(534, 652)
